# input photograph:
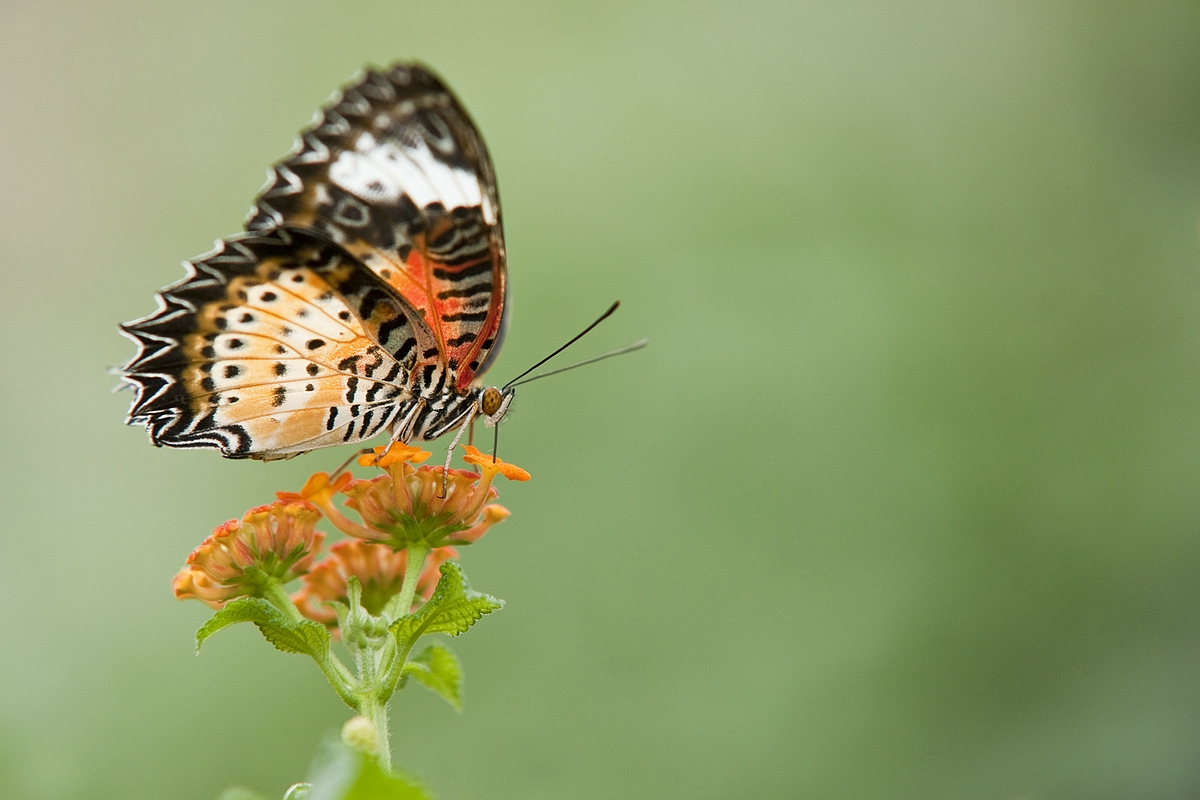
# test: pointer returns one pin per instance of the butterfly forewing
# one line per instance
(273, 345)
(394, 172)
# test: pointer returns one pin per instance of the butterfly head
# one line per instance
(493, 403)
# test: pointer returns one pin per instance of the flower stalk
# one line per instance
(377, 711)
(403, 602)
(274, 593)
(379, 591)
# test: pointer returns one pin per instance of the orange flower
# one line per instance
(407, 506)
(379, 569)
(493, 466)
(273, 542)
(320, 490)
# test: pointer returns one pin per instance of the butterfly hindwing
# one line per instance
(394, 171)
(274, 345)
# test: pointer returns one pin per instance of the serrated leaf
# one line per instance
(345, 774)
(290, 636)
(454, 608)
(437, 668)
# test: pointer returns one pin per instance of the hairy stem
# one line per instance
(376, 710)
(412, 572)
(335, 672)
(274, 594)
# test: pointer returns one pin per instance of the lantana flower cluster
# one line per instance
(272, 542)
(409, 511)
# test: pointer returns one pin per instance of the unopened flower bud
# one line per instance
(359, 734)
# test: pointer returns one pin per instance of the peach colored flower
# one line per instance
(414, 506)
(276, 541)
(379, 569)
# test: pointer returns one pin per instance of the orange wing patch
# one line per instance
(395, 172)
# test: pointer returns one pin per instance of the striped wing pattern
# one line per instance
(394, 171)
(367, 294)
(273, 345)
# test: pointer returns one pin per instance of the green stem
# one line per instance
(402, 604)
(339, 678)
(377, 712)
(274, 594)
(392, 665)
(334, 670)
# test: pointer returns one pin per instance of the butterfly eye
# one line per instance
(490, 401)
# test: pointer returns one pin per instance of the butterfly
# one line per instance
(366, 294)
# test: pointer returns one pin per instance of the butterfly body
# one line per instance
(367, 295)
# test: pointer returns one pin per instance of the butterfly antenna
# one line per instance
(620, 351)
(574, 339)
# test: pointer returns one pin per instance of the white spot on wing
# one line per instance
(383, 171)
(362, 177)
(405, 172)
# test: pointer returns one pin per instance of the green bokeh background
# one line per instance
(901, 502)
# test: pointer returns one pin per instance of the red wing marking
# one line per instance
(395, 173)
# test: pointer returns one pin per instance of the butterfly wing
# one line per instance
(394, 171)
(274, 345)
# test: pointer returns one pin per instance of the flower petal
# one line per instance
(395, 453)
(496, 466)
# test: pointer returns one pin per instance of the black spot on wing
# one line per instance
(388, 326)
(466, 316)
(466, 291)
(406, 349)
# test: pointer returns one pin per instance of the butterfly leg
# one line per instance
(450, 452)
(398, 432)
(401, 429)
(357, 453)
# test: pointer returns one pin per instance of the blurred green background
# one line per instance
(901, 502)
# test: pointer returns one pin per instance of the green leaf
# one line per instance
(437, 668)
(375, 784)
(454, 607)
(346, 774)
(290, 636)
